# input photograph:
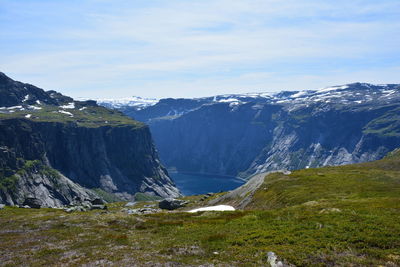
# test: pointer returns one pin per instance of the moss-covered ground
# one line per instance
(333, 216)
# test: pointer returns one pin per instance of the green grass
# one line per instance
(333, 216)
(109, 197)
(145, 197)
(91, 116)
(386, 125)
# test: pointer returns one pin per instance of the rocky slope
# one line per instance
(56, 149)
(254, 133)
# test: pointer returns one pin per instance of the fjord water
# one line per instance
(195, 184)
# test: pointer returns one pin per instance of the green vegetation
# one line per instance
(8, 183)
(145, 197)
(333, 216)
(386, 125)
(109, 197)
(88, 116)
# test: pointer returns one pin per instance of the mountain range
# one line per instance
(245, 134)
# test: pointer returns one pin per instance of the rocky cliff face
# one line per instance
(254, 133)
(56, 151)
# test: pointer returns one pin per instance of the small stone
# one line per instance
(330, 210)
(86, 204)
(273, 260)
(142, 211)
(130, 204)
(69, 210)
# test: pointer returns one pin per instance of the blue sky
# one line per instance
(171, 48)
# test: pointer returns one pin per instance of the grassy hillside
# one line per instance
(333, 216)
(372, 180)
(82, 114)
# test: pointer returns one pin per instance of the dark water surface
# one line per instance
(195, 184)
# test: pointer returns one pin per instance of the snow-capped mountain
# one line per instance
(242, 134)
(350, 94)
(134, 101)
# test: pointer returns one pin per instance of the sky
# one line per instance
(194, 48)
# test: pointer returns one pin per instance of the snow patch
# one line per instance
(25, 98)
(83, 108)
(15, 107)
(34, 107)
(299, 94)
(214, 208)
(66, 113)
(228, 100)
(28, 116)
(333, 88)
(134, 101)
(68, 106)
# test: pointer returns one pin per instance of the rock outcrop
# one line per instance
(171, 204)
(56, 152)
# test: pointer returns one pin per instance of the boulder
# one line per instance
(171, 204)
(2, 206)
(32, 202)
(98, 201)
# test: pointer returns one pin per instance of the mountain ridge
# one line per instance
(244, 134)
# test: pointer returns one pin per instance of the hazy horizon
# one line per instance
(158, 49)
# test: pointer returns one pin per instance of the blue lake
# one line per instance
(195, 184)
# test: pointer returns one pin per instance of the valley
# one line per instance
(205, 133)
(244, 134)
(83, 185)
(198, 184)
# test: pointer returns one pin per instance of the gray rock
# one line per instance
(171, 204)
(32, 203)
(2, 206)
(98, 201)
(75, 208)
(69, 210)
(130, 204)
(86, 204)
(142, 211)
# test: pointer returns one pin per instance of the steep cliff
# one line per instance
(253, 133)
(55, 149)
